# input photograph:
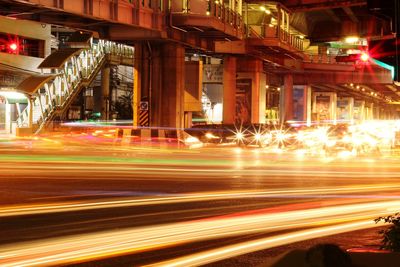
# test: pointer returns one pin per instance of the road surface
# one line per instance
(71, 200)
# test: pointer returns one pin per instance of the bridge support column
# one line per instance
(229, 93)
(308, 104)
(251, 91)
(105, 93)
(173, 85)
(159, 81)
(143, 85)
(287, 99)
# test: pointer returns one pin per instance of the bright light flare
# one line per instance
(364, 56)
(239, 136)
(13, 47)
(351, 39)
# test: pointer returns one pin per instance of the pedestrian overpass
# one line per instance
(43, 99)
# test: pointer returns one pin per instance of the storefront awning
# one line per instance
(80, 37)
(31, 84)
(57, 59)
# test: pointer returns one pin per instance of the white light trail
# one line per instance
(116, 242)
(194, 197)
(235, 250)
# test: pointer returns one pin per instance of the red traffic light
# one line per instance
(364, 56)
(13, 47)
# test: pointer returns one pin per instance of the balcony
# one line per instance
(212, 19)
(268, 30)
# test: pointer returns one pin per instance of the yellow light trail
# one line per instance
(193, 197)
(235, 250)
(179, 171)
(133, 240)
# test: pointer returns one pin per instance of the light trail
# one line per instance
(235, 250)
(205, 173)
(116, 242)
(198, 197)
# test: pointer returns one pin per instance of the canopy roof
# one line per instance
(31, 84)
(57, 59)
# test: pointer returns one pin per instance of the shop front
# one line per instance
(12, 105)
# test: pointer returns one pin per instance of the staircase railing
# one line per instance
(56, 95)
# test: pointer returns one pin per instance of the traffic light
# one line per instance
(13, 48)
(363, 57)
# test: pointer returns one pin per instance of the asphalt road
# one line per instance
(70, 200)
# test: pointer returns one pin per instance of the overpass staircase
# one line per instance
(71, 69)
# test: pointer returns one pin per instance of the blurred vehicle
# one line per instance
(246, 135)
(339, 139)
(365, 143)
(210, 133)
(396, 140)
(312, 139)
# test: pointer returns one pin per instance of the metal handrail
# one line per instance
(55, 94)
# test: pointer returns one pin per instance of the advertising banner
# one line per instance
(213, 73)
(243, 101)
(358, 110)
(322, 103)
(298, 103)
(343, 109)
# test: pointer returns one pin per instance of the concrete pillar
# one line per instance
(159, 79)
(188, 119)
(377, 114)
(308, 104)
(258, 93)
(173, 83)
(30, 114)
(105, 89)
(8, 118)
(262, 98)
(141, 79)
(156, 86)
(287, 93)
(229, 83)
(193, 89)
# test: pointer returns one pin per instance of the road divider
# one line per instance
(156, 137)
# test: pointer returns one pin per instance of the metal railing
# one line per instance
(208, 9)
(320, 58)
(78, 69)
(267, 31)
